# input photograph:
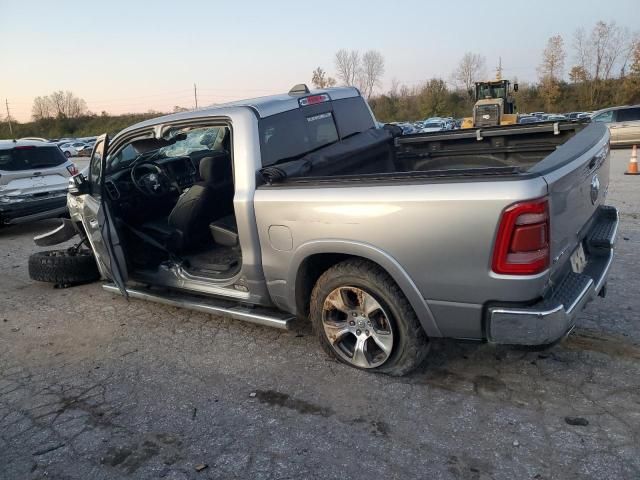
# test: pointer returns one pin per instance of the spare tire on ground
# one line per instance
(63, 267)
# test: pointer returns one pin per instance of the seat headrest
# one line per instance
(215, 167)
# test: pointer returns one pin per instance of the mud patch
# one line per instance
(469, 468)
(594, 341)
(489, 387)
(377, 428)
(131, 457)
(446, 380)
(271, 397)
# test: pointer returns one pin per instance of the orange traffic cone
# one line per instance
(632, 169)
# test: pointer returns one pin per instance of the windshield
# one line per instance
(432, 125)
(182, 143)
(491, 91)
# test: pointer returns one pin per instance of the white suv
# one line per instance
(34, 178)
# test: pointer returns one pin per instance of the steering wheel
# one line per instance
(151, 179)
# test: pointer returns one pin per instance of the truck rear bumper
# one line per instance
(553, 318)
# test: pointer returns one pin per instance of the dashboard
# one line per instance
(181, 169)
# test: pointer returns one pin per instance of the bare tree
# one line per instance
(471, 68)
(321, 80)
(348, 66)
(551, 70)
(41, 108)
(66, 104)
(630, 91)
(599, 55)
(371, 71)
(553, 58)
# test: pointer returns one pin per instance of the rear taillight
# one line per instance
(522, 243)
(72, 169)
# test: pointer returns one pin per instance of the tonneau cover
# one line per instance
(371, 151)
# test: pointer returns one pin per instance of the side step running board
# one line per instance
(213, 306)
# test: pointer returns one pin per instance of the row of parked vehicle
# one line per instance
(623, 121)
(537, 117)
(71, 147)
(431, 124)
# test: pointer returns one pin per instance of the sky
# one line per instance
(133, 56)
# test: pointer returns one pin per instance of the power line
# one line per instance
(6, 102)
(195, 95)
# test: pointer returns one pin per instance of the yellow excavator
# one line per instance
(494, 105)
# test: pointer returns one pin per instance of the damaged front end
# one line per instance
(61, 234)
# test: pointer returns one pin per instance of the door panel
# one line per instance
(98, 221)
(628, 132)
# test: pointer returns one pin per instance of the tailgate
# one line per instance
(577, 174)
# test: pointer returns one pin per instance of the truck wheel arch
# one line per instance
(310, 260)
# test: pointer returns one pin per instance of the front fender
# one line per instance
(61, 234)
(374, 254)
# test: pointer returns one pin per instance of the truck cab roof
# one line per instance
(262, 106)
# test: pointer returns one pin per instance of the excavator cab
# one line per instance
(494, 105)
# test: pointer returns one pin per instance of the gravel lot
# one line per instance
(93, 387)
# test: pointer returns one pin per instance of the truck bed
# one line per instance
(497, 151)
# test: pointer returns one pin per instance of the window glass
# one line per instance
(209, 138)
(189, 142)
(292, 134)
(628, 114)
(604, 117)
(352, 116)
(95, 166)
(30, 158)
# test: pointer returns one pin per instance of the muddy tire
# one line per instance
(363, 319)
(62, 268)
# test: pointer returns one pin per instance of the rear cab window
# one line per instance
(294, 133)
(30, 158)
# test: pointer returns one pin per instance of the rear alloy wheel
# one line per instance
(357, 327)
(364, 320)
(67, 153)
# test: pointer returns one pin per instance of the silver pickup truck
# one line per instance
(298, 205)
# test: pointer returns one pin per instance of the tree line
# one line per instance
(604, 70)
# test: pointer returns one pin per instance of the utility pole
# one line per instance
(6, 102)
(195, 95)
(499, 69)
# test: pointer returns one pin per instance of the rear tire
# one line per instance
(62, 268)
(67, 154)
(377, 309)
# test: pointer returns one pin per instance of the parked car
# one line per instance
(573, 115)
(308, 210)
(34, 178)
(75, 149)
(528, 119)
(407, 128)
(554, 117)
(433, 126)
(623, 123)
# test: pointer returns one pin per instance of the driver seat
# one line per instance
(206, 201)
